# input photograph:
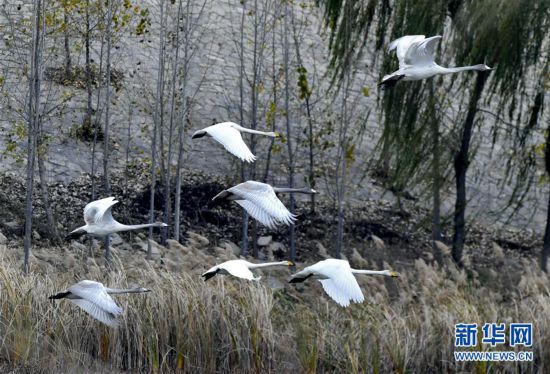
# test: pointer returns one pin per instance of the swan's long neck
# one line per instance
(243, 129)
(114, 291)
(371, 272)
(460, 68)
(121, 227)
(297, 190)
(267, 264)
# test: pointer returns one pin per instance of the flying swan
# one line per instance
(261, 202)
(336, 277)
(229, 135)
(416, 55)
(94, 299)
(100, 222)
(240, 269)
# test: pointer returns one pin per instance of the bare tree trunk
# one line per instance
(96, 123)
(461, 164)
(89, 111)
(291, 233)
(306, 95)
(183, 121)
(66, 44)
(106, 140)
(33, 115)
(167, 185)
(157, 126)
(45, 193)
(244, 230)
(436, 173)
(275, 108)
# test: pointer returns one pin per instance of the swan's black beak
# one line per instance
(198, 134)
(75, 235)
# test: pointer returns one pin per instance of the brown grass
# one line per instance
(229, 325)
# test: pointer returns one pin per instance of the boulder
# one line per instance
(277, 249)
(115, 239)
(322, 250)
(498, 252)
(3, 239)
(378, 243)
(176, 246)
(275, 284)
(264, 241)
(230, 246)
(197, 239)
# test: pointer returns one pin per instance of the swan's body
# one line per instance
(94, 299)
(261, 202)
(229, 135)
(416, 55)
(240, 269)
(100, 222)
(336, 277)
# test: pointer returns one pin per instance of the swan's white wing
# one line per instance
(402, 45)
(232, 141)
(237, 268)
(258, 213)
(422, 52)
(99, 210)
(95, 293)
(96, 312)
(263, 196)
(341, 285)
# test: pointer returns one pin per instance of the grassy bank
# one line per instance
(229, 325)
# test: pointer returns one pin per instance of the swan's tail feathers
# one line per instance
(390, 80)
(299, 278)
(60, 295)
(75, 234)
(209, 274)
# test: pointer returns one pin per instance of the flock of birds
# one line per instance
(416, 55)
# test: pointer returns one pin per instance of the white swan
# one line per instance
(336, 277)
(229, 135)
(416, 55)
(100, 222)
(260, 201)
(94, 299)
(240, 268)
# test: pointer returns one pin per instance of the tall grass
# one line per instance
(229, 325)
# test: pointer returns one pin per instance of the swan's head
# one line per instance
(391, 273)
(198, 134)
(483, 67)
(290, 263)
(141, 289)
(75, 234)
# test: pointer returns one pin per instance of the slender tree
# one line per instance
(33, 118)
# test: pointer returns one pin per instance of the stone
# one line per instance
(498, 252)
(174, 245)
(357, 260)
(78, 246)
(3, 239)
(115, 239)
(36, 235)
(277, 249)
(232, 247)
(199, 240)
(378, 243)
(322, 250)
(264, 241)
(275, 284)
